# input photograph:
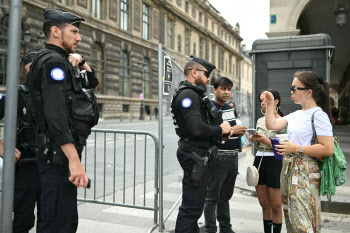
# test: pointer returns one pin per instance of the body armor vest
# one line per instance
(81, 105)
(209, 115)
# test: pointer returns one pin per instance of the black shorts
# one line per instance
(270, 171)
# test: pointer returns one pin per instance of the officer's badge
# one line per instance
(24, 111)
(57, 74)
(186, 103)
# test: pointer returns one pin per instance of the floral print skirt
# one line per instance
(300, 189)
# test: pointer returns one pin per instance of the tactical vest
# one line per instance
(81, 104)
(26, 127)
(209, 114)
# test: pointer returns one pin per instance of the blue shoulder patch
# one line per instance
(57, 74)
(0, 96)
(186, 103)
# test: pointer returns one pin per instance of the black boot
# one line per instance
(267, 226)
(277, 227)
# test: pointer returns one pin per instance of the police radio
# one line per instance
(82, 78)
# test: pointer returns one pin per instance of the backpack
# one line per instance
(333, 168)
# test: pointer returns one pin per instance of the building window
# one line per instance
(65, 2)
(194, 12)
(213, 54)
(124, 14)
(125, 107)
(187, 7)
(3, 48)
(179, 2)
(96, 8)
(200, 17)
(194, 49)
(201, 47)
(187, 42)
(146, 84)
(212, 26)
(179, 42)
(170, 34)
(98, 63)
(221, 59)
(124, 77)
(230, 65)
(145, 21)
(206, 21)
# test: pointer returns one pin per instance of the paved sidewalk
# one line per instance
(245, 213)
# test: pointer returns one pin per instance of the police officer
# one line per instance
(194, 125)
(27, 177)
(223, 173)
(56, 89)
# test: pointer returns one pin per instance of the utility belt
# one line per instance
(226, 154)
(185, 146)
(47, 150)
(202, 158)
(26, 160)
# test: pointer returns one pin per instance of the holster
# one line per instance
(48, 151)
(199, 168)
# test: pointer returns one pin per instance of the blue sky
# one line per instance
(252, 15)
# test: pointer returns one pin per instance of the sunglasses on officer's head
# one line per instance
(294, 88)
(206, 73)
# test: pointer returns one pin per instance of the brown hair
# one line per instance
(320, 89)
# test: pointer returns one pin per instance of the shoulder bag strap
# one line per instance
(264, 151)
(314, 135)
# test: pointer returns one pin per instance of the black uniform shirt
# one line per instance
(191, 116)
(51, 78)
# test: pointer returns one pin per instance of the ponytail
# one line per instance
(324, 101)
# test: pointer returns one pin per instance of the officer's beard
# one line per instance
(68, 48)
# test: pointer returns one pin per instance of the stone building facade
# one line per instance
(120, 41)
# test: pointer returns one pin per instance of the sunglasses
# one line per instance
(206, 73)
(294, 88)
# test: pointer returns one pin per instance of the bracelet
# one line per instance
(82, 61)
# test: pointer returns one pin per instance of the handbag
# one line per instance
(253, 172)
(333, 168)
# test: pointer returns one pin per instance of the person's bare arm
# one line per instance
(17, 152)
(271, 122)
(325, 147)
(77, 172)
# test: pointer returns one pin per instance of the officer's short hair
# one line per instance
(49, 24)
(223, 81)
(189, 65)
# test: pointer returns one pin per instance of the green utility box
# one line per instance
(275, 60)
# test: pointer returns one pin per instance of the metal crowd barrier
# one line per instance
(118, 164)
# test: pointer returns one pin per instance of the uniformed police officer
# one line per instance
(194, 121)
(27, 177)
(223, 173)
(55, 89)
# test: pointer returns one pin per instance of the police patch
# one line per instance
(186, 103)
(57, 74)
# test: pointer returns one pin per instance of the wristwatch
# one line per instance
(82, 61)
(301, 151)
